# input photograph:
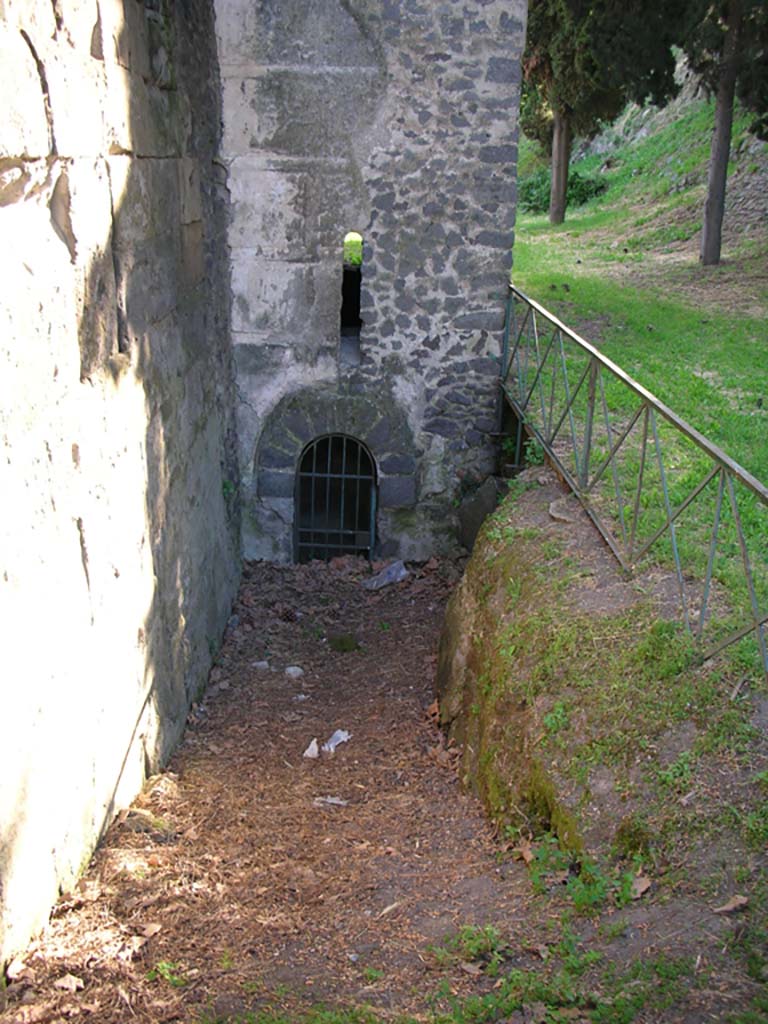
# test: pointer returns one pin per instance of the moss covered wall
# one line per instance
(560, 679)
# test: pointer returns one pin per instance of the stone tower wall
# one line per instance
(119, 552)
(398, 120)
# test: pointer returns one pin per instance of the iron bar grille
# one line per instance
(335, 500)
(649, 481)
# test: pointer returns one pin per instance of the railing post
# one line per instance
(508, 320)
(594, 370)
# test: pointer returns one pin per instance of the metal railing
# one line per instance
(646, 478)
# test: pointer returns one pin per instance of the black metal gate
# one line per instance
(335, 499)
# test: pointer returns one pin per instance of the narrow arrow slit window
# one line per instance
(349, 342)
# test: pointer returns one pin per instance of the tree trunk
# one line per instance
(561, 155)
(714, 208)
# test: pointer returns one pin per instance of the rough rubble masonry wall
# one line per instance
(397, 119)
(118, 553)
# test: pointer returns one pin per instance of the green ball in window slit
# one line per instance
(353, 248)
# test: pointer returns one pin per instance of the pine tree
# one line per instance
(727, 45)
(583, 62)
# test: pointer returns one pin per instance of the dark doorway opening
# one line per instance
(349, 349)
(335, 500)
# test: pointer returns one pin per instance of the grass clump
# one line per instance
(533, 191)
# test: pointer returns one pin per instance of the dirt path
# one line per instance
(249, 884)
(233, 884)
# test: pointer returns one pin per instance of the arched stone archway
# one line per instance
(335, 500)
(302, 417)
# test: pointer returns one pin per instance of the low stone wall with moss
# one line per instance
(572, 691)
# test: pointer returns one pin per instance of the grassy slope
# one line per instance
(630, 257)
(623, 271)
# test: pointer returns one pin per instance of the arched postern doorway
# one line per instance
(335, 500)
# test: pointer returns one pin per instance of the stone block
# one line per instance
(380, 434)
(273, 483)
(268, 212)
(397, 491)
(442, 426)
(148, 276)
(146, 198)
(133, 40)
(494, 239)
(503, 69)
(80, 20)
(263, 111)
(191, 202)
(275, 458)
(274, 296)
(34, 16)
(320, 34)
(192, 253)
(142, 119)
(398, 464)
(115, 47)
(498, 155)
(481, 320)
(77, 90)
(24, 125)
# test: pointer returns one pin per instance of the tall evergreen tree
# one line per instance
(727, 45)
(583, 62)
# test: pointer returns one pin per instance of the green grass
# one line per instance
(664, 166)
(573, 978)
(708, 364)
(711, 369)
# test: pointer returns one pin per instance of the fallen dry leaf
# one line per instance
(640, 885)
(151, 929)
(734, 904)
(524, 851)
(33, 1014)
(15, 968)
(389, 909)
(69, 983)
(131, 947)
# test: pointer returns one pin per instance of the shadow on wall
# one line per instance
(121, 557)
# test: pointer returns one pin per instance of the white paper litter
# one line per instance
(312, 750)
(340, 736)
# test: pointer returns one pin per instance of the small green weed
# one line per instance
(509, 448)
(678, 775)
(589, 885)
(533, 452)
(168, 971)
(475, 944)
(557, 719)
